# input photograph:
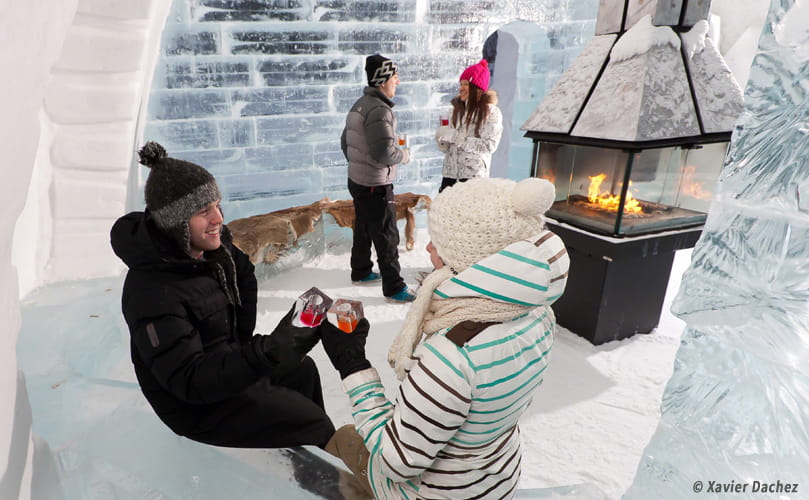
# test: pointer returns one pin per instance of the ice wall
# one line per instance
(736, 410)
(25, 68)
(87, 117)
(258, 91)
(739, 23)
(530, 59)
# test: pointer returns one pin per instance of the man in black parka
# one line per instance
(190, 302)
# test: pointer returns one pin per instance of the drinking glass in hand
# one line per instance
(310, 308)
(346, 314)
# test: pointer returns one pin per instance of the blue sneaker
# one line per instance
(402, 296)
(371, 278)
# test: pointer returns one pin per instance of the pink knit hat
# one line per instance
(477, 74)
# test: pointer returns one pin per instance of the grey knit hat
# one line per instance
(175, 190)
(379, 69)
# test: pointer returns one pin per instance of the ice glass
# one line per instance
(346, 314)
(311, 307)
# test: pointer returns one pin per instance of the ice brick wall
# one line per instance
(257, 91)
(530, 59)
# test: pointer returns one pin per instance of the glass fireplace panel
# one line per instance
(668, 188)
(568, 167)
(700, 172)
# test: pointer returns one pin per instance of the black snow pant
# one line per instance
(375, 222)
(287, 412)
(449, 181)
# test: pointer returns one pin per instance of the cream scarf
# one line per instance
(429, 314)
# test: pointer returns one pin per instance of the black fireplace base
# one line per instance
(616, 286)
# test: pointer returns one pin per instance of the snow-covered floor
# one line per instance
(591, 418)
(589, 422)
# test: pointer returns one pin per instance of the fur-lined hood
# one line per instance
(489, 97)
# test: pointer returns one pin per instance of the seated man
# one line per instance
(189, 300)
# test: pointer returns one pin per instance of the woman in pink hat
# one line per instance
(474, 129)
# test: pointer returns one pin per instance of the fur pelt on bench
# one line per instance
(264, 237)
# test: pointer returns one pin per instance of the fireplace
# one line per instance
(629, 192)
(633, 136)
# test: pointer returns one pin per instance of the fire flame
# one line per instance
(692, 187)
(607, 201)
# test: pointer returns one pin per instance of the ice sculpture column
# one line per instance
(736, 410)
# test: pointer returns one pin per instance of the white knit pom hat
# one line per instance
(477, 218)
(468, 222)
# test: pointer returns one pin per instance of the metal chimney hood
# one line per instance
(650, 77)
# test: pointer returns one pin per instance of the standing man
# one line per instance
(369, 144)
(189, 300)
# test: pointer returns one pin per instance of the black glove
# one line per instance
(346, 350)
(286, 346)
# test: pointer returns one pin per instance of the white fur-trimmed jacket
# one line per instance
(465, 155)
(452, 432)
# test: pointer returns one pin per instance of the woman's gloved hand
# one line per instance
(445, 135)
(346, 350)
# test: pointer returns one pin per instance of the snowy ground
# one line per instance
(589, 423)
(590, 420)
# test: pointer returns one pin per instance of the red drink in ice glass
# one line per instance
(311, 307)
(310, 317)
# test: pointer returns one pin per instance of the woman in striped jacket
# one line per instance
(472, 351)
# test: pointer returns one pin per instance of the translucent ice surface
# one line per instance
(89, 410)
(104, 442)
(736, 411)
(258, 91)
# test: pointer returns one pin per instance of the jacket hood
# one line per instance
(489, 97)
(524, 273)
(137, 241)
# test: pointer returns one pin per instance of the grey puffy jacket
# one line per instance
(369, 140)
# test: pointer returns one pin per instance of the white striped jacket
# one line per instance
(453, 431)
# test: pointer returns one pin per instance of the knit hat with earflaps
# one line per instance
(478, 74)
(379, 69)
(175, 190)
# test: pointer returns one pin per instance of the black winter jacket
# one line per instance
(191, 334)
